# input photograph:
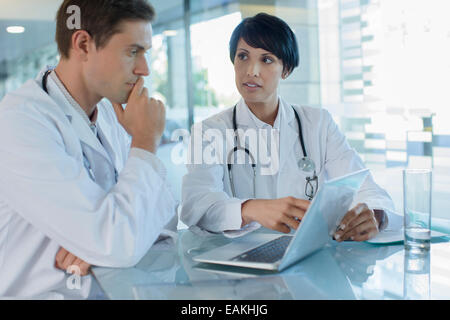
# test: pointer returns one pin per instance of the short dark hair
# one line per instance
(100, 18)
(269, 33)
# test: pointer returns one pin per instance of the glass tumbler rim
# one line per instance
(417, 170)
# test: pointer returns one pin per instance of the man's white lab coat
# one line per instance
(48, 199)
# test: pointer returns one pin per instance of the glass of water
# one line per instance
(417, 190)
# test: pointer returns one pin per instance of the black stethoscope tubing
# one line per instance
(44, 80)
(85, 159)
(300, 133)
(253, 163)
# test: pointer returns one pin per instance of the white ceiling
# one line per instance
(46, 9)
(38, 18)
(29, 9)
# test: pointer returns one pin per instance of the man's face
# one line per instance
(112, 71)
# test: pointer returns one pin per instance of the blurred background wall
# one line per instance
(381, 67)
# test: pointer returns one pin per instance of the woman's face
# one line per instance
(257, 73)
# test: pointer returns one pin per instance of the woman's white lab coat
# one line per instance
(207, 200)
(48, 199)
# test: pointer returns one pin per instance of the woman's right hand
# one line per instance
(277, 214)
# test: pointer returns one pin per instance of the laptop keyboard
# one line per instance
(269, 252)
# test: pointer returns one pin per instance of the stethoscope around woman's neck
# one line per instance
(305, 164)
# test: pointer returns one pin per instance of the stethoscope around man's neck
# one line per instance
(86, 162)
(44, 80)
(305, 164)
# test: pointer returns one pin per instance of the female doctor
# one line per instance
(306, 149)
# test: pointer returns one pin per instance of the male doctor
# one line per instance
(80, 183)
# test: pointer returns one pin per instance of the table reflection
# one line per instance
(348, 270)
(416, 282)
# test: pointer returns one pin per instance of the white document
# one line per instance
(394, 236)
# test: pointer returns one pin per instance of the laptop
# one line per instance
(277, 251)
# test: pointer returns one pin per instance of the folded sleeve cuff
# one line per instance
(252, 226)
(237, 231)
(151, 158)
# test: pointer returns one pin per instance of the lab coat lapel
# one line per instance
(82, 129)
(105, 134)
(288, 133)
(101, 164)
(84, 132)
(243, 121)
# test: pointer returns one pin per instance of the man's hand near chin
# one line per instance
(144, 118)
(65, 260)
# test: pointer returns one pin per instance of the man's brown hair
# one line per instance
(100, 18)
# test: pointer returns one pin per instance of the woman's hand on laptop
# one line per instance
(276, 214)
(358, 224)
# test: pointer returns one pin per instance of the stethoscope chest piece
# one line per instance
(305, 164)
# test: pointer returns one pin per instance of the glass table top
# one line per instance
(347, 270)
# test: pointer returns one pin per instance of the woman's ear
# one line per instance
(285, 75)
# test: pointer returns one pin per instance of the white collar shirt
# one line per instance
(268, 148)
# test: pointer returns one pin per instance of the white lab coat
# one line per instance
(207, 200)
(48, 200)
